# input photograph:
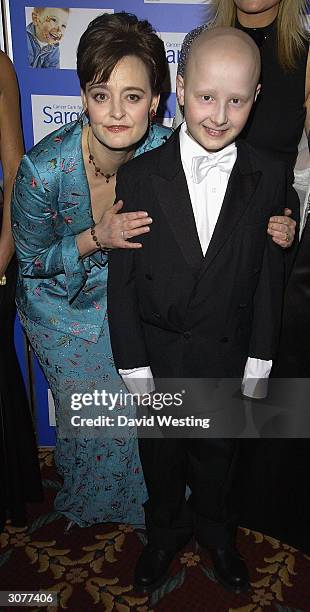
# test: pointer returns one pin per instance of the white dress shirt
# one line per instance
(207, 175)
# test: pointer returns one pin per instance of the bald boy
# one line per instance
(217, 94)
(202, 297)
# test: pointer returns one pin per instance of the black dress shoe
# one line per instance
(229, 569)
(152, 568)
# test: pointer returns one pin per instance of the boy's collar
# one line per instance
(170, 163)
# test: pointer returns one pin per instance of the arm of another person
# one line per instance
(290, 202)
(11, 151)
(283, 228)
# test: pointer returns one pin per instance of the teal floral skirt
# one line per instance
(102, 476)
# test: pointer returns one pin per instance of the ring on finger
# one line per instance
(123, 235)
(287, 238)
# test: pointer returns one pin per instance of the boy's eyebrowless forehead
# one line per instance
(220, 40)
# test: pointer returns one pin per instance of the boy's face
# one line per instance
(217, 93)
(50, 24)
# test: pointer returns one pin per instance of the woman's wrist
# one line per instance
(88, 242)
(85, 243)
(95, 238)
(99, 245)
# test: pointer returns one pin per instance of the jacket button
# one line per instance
(149, 277)
(225, 339)
(187, 334)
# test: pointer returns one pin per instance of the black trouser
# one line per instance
(20, 479)
(207, 466)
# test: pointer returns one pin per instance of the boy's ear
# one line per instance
(180, 89)
(257, 91)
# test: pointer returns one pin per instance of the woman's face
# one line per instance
(256, 6)
(119, 109)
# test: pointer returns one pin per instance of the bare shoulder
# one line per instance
(7, 72)
(5, 62)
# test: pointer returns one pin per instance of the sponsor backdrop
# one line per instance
(50, 89)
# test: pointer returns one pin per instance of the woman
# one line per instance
(19, 469)
(273, 470)
(64, 222)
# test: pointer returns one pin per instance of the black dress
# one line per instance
(278, 116)
(274, 491)
(20, 480)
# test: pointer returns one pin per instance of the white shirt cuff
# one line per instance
(255, 378)
(138, 380)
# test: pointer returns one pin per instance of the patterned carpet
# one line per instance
(91, 569)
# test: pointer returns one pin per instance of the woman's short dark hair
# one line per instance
(109, 38)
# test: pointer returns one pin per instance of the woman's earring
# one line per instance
(152, 115)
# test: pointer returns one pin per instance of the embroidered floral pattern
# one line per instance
(62, 304)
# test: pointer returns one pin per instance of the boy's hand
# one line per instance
(282, 229)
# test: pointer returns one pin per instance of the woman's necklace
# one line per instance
(91, 160)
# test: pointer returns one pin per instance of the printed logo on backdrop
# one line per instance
(53, 34)
(51, 112)
(173, 43)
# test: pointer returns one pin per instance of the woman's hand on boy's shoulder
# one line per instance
(282, 229)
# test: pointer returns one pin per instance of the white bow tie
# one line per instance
(202, 165)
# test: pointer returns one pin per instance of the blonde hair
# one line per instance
(291, 26)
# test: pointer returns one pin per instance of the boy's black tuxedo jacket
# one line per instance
(177, 311)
